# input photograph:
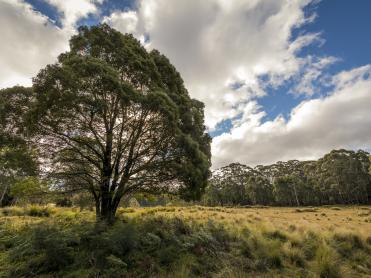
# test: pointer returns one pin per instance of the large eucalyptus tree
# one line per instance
(114, 119)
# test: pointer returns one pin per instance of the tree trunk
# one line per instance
(97, 209)
(105, 210)
(296, 196)
(3, 194)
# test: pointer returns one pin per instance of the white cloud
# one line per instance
(29, 42)
(312, 71)
(220, 42)
(222, 48)
(73, 10)
(340, 120)
(126, 22)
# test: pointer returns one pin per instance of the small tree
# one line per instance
(29, 190)
(17, 157)
(113, 119)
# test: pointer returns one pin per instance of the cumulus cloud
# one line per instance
(29, 42)
(229, 53)
(217, 44)
(73, 10)
(311, 75)
(126, 22)
(339, 120)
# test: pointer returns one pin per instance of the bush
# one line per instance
(63, 202)
(47, 250)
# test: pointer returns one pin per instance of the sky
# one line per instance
(280, 79)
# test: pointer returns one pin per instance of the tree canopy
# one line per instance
(114, 119)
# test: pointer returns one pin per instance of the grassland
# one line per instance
(190, 241)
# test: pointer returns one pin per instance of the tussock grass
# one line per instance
(305, 210)
(33, 210)
(326, 263)
(190, 241)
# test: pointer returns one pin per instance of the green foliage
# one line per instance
(29, 190)
(17, 156)
(117, 120)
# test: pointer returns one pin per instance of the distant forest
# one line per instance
(340, 177)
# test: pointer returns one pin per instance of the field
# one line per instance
(189, 241)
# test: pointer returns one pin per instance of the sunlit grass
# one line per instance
(258, 241)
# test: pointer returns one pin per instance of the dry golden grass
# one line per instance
(353, 219)
(322, 220)
(277, 241)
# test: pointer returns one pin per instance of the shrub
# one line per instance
(47, 250)
(63, 202)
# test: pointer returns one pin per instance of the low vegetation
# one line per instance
(192, 241)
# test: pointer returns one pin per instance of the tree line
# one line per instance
(339, 177)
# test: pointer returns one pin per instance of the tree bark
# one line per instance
(106, 209)
(3, 194)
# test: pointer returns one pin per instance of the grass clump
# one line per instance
(263, 254)
(33, 210)
(276, 234)
(38, 211)
(347, 243)
(306, 210)
(296, 257)
(310, 244)
(12, 211)
(326, 262)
